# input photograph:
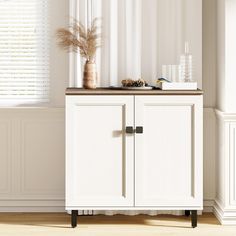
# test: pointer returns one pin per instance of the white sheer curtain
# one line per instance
(139, 36)
(120, 55)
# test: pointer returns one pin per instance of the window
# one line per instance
(24, 51)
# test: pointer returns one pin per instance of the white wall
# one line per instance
(32, 140)
(226, 58)
(59, 62)
(230, 56)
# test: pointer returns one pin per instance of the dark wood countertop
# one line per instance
(112, 91)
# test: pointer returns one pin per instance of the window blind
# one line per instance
(24, 51)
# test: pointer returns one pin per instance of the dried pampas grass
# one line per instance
(78, 39)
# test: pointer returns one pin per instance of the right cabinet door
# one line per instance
(168, 164)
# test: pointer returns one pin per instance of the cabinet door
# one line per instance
(99, 154)
(168, 164)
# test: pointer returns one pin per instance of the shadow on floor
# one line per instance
(61, 220)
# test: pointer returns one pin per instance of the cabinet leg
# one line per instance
(187, 213)
(194, 218)
(74, 215)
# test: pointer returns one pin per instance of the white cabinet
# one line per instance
(134, 152)
(100, 156)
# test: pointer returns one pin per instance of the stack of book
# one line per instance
(164, 84)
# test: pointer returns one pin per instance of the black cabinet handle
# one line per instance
(139, 130)
(129, 130)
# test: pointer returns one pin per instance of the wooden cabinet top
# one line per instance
(117, 91)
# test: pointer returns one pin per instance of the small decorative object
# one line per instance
(90, 75)
(134, 83)
(163, 80)
(86, 41)
(171, 72)
(165, 84)
(186, 65)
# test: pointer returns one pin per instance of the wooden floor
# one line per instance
(59, 224)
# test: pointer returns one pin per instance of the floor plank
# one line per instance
(29, 224)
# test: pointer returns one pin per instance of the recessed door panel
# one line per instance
(168, 152)
(99, 153)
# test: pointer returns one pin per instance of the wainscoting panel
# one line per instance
(32, 156)
(225, 207)
(32, 159)
(5, 158)
(42, 158)
(232, 164)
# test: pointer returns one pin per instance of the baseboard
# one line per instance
(33, 209)
(32, 206)
(56, 206)
(218, 212)
(225, 216)
(208, 205)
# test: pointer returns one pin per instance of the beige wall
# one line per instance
(59, 59)
(221, 55)
(209, 87)
(209, 52)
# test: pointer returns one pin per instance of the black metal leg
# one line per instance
(194, 218)
(187, 213)
(74, 215)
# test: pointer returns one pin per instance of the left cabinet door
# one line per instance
(99, 153)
